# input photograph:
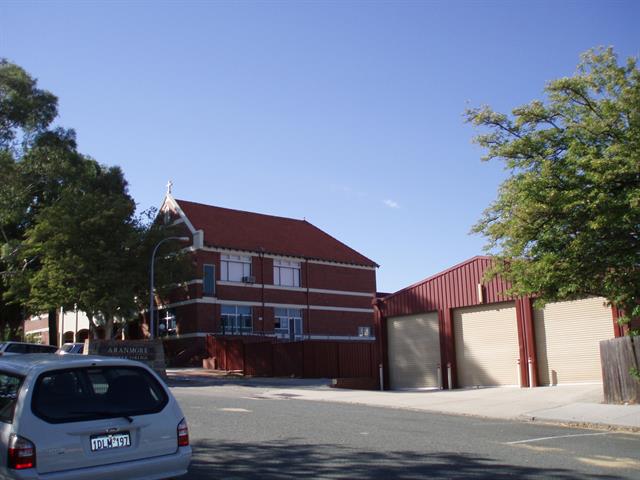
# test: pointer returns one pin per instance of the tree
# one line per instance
(70, 234)
(566, 222)
(25, 110)
(25, 113)
(94, 252)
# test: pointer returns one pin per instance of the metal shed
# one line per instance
(454, 329)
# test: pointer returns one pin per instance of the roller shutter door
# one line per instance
(414, 350)
(567, 340)
(486, 341)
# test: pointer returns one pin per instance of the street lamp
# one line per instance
(153, 256)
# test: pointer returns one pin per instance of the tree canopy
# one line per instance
(69, 230)
(566, 222)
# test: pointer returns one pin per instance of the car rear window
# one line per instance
(9, 389)
(35, 348)
(72, 347)
(17, 348)
(81, 394)
(30, 348)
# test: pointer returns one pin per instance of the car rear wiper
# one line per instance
(104, 414)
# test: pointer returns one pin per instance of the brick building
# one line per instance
(266, 275)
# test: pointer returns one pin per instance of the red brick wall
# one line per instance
(203, 258)
(285, 296)
(197, 317)
(332, 277)
(323, 322)
(326, 299)
(30, 325)
(262, 269)
(239, 293)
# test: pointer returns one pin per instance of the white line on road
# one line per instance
(558, 436)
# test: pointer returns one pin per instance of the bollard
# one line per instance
(530, 364)
(449, 376)
(380, 373)
(439, 376)
(519, 374)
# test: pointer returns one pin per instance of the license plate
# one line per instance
(110, 441)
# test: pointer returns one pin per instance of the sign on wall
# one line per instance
(149, 352)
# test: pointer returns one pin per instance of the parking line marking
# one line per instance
(558, 436)
(235, 410)
(610, 462)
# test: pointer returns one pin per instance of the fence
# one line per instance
(304, 359)
(619, 357)
(184, 352)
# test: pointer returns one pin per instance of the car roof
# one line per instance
(40, 362)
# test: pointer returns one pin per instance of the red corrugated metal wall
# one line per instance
(453, 288)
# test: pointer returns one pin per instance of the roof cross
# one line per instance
(169, 185)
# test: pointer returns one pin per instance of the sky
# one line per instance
(348, 114)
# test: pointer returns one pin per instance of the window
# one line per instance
(18, 347)
(288, 323)
(234, 267)
(9, 388)
(209, 280)
(364, 331)
(94, 393)
(286, 273)
(235, 320)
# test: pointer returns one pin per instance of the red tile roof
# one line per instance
(238, 230)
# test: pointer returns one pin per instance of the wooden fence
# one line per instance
(619, 357)
(304, 359)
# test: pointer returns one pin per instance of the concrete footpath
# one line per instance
(566, 404)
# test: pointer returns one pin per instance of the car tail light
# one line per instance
(183, 433)
(22, 453)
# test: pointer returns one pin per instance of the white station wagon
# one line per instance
(75, 417)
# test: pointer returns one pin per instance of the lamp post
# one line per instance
(153, 256)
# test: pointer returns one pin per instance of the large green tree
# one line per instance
(70, 235)
(26, 113)
(566, 222)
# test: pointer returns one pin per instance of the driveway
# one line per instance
(245, 429)
(568, 404)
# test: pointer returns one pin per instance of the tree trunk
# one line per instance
(53, 327)
(93, 334)
(11, 318)
(108, 326)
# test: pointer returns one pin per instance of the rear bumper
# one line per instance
(155, 468)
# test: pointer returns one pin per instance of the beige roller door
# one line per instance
(414, 350)
(487, 349)
(567, 340)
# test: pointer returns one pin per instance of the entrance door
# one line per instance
(414, 350)
(487, 348)
(295, 328)
(288, 323)
(568, 338)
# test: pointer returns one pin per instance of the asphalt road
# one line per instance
(238, 434)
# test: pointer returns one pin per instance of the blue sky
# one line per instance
(346, 113)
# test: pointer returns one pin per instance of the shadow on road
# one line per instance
(289, 459)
